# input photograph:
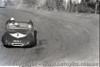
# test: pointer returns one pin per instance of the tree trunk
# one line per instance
(70, 5)
(96, 6)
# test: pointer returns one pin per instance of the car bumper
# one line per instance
(19, 44)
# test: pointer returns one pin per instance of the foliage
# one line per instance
(86, 5)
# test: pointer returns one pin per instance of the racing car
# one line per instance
(18, 34)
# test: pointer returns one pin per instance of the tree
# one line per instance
(50, 4)
(30, 3)
(96, 6)
(59, 4)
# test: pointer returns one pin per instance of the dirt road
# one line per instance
(61, 37)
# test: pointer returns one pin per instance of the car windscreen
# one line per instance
(23, 31)
(18, 25)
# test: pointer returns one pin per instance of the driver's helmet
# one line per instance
(12, 19)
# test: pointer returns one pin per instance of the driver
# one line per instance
(11, 20)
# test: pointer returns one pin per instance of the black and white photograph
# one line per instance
(49, 33)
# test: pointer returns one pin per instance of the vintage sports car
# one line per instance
(19, 34)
